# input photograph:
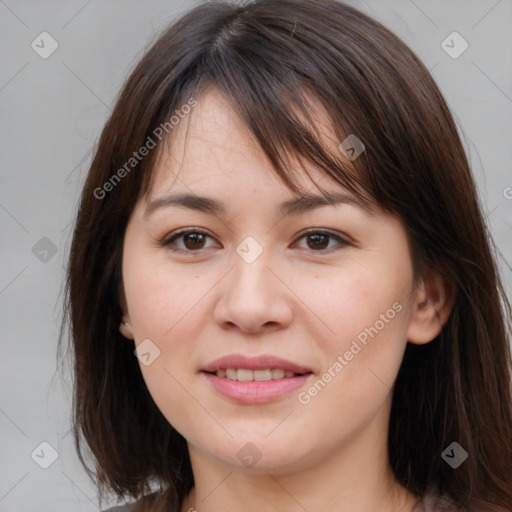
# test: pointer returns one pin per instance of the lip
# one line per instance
(261, 362)
(255, 392)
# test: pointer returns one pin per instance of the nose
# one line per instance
(254, 298)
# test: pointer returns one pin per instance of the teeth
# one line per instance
(277, 373)
(246, 375)
(262, 375)
(230, 374)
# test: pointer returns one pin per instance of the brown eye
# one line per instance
(318, 241)
(321, 241)
(191, 240)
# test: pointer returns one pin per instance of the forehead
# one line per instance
(212, 145)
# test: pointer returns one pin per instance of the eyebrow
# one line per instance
(211, 206)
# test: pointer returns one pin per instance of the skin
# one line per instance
(297, 300)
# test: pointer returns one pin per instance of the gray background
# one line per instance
(52, 111)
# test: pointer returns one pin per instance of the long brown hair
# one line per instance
(268, 57)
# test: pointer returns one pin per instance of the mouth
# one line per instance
(255, 380)
(248, 375)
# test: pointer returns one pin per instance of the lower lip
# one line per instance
(255, 392)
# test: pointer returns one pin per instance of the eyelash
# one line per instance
(166, 242)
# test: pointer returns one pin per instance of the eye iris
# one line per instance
(317, 241)
(192, 239)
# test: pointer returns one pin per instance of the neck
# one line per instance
(354, 476)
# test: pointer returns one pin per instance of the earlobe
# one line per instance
(434, 301)
(125, 328)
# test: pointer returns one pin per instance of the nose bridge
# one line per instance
(250, 275)
(252, 296)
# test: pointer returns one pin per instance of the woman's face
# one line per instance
(249, 294)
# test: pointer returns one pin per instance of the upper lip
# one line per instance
(261, 362)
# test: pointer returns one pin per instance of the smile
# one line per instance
(247, 375)
(250, 379)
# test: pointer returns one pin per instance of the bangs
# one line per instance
(293, 115)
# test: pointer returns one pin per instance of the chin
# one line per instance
(250, 455)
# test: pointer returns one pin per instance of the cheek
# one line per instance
(361, 337)
(344, 304)
(170, 309)
(161, 298)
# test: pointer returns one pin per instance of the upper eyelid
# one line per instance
(185, 231)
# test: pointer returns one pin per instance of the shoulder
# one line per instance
(132, 507)
(145, 504)
(122, 508)
(432, 502)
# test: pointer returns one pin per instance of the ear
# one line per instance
(435, 297)
(125, 327)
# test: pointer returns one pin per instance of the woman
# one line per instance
(281, 290)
